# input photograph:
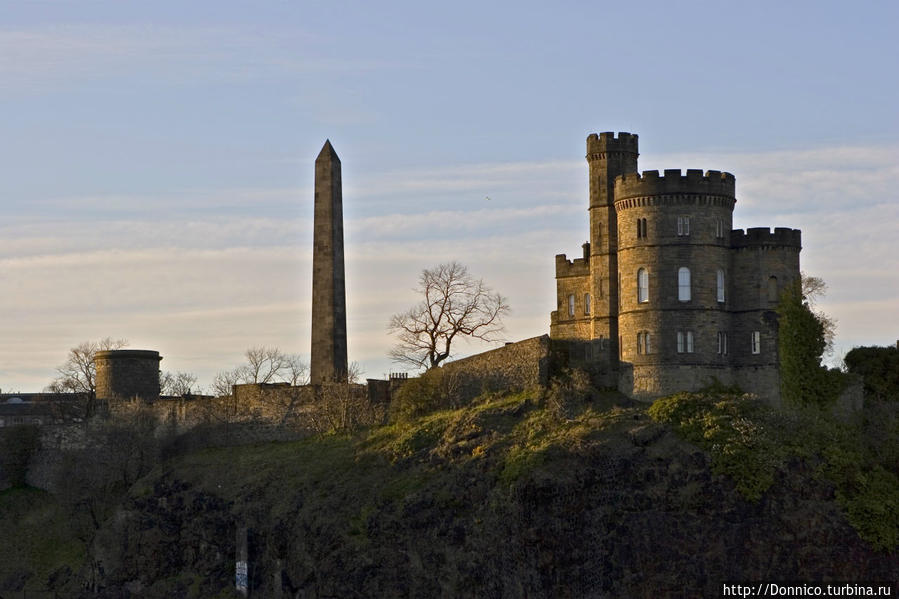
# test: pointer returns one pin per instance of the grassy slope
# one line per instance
(35, 539)
(347, 488)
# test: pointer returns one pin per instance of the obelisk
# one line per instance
(329, 356)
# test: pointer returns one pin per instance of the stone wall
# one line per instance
(515, 366)
(127, 373)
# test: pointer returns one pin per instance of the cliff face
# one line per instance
(499, 500)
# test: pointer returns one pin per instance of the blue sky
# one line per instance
(157, 164)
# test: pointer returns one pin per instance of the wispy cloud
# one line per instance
(201, 288)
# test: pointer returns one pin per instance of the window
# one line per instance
(586, 303)
(719, 228)
(571, 305)
(720, 281)
(683, 284)
(685, 342)
(683, 226)
(722, 343)
(756, 342)
(772, 289)
(644, 342)
(641, 228)
(642, 286)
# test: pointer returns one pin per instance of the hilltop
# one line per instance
(507, 497)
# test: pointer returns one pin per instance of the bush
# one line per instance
(17, 445)
(437, 389)
(879, 366)
(568, 394)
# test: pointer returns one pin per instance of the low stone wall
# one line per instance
(513, 367)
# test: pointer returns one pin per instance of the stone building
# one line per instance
(667, 296)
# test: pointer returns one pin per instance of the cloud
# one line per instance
(201, 284)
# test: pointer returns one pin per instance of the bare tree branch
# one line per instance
(454, 304)
(78, 374)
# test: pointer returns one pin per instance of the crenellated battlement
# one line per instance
(762, 236)
(672, 181)
(571, 268)
(607, 142)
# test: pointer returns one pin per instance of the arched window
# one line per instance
(683, 284)
(772, 289)
(720, 280)
(571, 305)
(642, 286)
(586, 303)
(647, 338)
(640, 348)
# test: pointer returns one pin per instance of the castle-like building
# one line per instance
(667, 296)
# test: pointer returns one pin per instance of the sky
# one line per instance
(157, 157)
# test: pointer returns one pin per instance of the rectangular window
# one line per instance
(648, 340)
(571, 305)
(683, 226)
(680, 342)
(586, 303)
(719, 279)
(756, 342)
(719, 228)
(689, 342)
(683, 284)
(724, 335)
(640, 349)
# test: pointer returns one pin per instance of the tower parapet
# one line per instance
(579, 267)
(607, 142)
(651, 183)
(762, 236)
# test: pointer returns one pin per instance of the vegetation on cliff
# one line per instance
(568, 492)
(753, 444)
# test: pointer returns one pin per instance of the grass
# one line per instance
(35, 533)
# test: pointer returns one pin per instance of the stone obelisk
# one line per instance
(329, 355)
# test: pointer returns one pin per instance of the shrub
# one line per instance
(437, 389)
(17, 445)
(568, 394)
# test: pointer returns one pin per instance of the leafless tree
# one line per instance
(296, 370)
(78, 374)
(343, 406)
(178, 384)
(454, 304)
(263, 365)
(814, 288)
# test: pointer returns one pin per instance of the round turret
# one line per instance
(674, 263)
(127, 374)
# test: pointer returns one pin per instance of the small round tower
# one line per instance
(674, 264)
(127, 374)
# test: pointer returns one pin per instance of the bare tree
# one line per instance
(223, 381)
(812, 289)
(79, 374)
(263, 365)
(343, 406)
(297, 371)
(454, 304)
(178, 384)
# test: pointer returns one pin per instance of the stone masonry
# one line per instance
(667, 296)
(127, 374)
(329, 349)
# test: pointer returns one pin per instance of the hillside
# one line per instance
(503, 498)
